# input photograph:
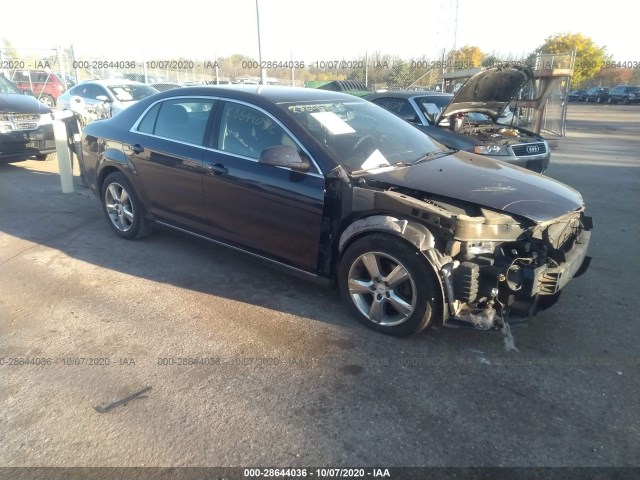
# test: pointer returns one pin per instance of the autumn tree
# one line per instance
(467, 56)
(589, 56)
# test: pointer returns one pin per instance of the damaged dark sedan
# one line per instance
(337, 189)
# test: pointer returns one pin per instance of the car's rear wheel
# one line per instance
(44, 157)
(123, 209)
(48, 100)
(388, 285)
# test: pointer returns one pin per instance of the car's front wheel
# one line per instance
(388, 285)
(122, 207)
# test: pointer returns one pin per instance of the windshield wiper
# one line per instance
(382, 165)
(432, 155)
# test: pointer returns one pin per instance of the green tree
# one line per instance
(589, 56)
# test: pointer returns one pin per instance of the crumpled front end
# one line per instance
(498, 268)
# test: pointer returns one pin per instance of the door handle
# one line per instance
(218, 169)
(137, 148)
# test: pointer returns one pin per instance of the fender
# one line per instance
(418, 235)
(415, 233)
(112, 157)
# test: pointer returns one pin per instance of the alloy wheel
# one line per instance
(119, 207)
(382, 289)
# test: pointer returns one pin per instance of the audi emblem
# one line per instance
(533, 149)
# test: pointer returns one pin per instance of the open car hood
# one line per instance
(487, 183)
(489, 91)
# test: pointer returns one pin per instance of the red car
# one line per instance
(46, 87)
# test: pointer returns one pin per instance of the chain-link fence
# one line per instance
(49, 72)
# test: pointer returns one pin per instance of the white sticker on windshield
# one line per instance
(375, 160)
(431, 109)
(122, 94)
(333, 123)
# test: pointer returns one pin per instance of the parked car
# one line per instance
(577, 96)
(46, 86)
(118, 94)
(597, 94)
(26, 127)
(353, 87)
(475, 109)
(335, 188)
(164, 86)
(624, 94)
(139, 77)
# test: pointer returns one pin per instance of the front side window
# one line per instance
(247, 131)
(182, 119)
(400, 106)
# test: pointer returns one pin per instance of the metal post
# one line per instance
(62, 149)
(74, 64)
(60, 61)
(263, 72)
(144, 68)
(366, 68)
(293, 77)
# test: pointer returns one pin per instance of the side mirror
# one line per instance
(103, 98)
(284, 156)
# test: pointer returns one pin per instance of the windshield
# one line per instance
(433, 106)
(131, 93)
(363, 136)
(6, 87)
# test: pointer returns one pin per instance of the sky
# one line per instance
(310, 30)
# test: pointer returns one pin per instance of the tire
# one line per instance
(48, 100)
(122, 208)
(44, 157)
(625, 100)
(366, 286)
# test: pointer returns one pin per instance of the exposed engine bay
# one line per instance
(491, 265)
(490, 132)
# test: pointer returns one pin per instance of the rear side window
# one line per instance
(148, 123)
(182, 119)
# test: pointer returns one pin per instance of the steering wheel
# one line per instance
(361, 142)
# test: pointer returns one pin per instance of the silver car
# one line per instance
(116, 94)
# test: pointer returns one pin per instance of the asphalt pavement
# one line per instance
(172, 352)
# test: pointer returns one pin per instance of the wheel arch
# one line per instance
(105, 171)
(412, 232)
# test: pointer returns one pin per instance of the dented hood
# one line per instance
(488, 183)
(489, 91)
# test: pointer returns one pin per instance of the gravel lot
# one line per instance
(292, 379)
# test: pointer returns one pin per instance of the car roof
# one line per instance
(111, 81)
(271, 93)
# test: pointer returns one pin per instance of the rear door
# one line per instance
(168, 156)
